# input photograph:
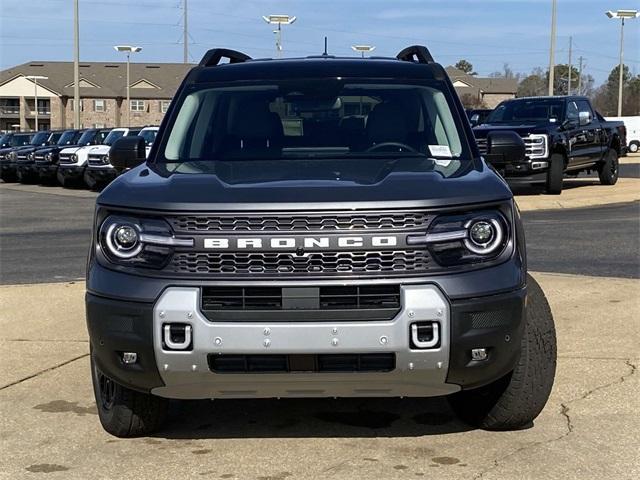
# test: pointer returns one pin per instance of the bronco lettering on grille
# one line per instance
(293, 243)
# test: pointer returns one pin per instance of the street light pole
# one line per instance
(622, 15)
(128, 49)
(76, 66)
(35, 79)
(363, 49)
(279, 20)
(552, 48)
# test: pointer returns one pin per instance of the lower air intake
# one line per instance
(364, 362)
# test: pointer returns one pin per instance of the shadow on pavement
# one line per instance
(304, 418)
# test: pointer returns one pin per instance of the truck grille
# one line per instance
(354, 362)
(360, 262)
(482, 145)
(265, 222)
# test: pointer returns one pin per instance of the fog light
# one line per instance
(479, 354)
(129, 357)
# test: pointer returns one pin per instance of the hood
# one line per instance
(522, 130)
(100, 149)
(281, 184)
(71, 149)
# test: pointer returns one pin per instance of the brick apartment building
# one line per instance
(152, 85)
(102, 94)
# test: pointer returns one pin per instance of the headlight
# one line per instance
(138, 242)
(536, 146)
(467, 238)
(48, 157)
(105, 158)
(30, 156)
(12, 155)
(74, 157)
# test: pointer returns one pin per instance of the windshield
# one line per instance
(527, 111)
(149, 136)
(20, 140)
(113, 136)
(314, 119)
(54, 137)
(69, 138)
(88, 137)
(40, 138)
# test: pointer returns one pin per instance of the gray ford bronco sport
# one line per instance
(315, 227)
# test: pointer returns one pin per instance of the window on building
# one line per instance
(98, 106)
(73, 105)
(164, 105)
(137, 105)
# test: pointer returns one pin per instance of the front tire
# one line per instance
(634, 146)
(555, 174)
(608, 170)
(515, 400)
(124, 412)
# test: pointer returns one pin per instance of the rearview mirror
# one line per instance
(505, 146)
(127, 152)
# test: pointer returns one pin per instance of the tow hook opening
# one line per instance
(177, 336)
(425, 335)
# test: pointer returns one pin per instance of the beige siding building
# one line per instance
(482, 91)
(102, 94)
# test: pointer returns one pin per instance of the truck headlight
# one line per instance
(138, 242)
(105, 159)
(468, 237)
(48, 157)
(536, 146)
(74, 157)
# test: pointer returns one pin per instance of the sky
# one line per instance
(488, 33)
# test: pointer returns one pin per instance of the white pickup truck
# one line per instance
(99, 171)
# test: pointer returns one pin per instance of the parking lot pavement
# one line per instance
(588, 429)
(586, 191)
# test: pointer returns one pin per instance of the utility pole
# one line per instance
(76, 66)
(570, 67)
(185, 34)
(580, 76)
(552, 49)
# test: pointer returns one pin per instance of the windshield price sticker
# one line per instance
(440, 151)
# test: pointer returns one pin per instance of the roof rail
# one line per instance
(416, 54)
(213, 57)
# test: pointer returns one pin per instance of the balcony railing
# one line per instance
(10, 109)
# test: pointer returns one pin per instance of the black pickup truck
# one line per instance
(562, 135)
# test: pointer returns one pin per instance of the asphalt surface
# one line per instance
(45, 234)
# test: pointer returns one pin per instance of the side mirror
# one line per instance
(585, 118)
(127, 152)
(474, 120)
(505, 146)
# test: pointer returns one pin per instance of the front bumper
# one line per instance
(494, 322)
(71, 172)
(47, 171)
(99, 175)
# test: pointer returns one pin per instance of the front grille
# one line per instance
(292, 222)
(267, 263)
(301, 304)
(363, 362)
(65, 158)
(96, 159)
(482, 145)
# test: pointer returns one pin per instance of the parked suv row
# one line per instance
(69, 157)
